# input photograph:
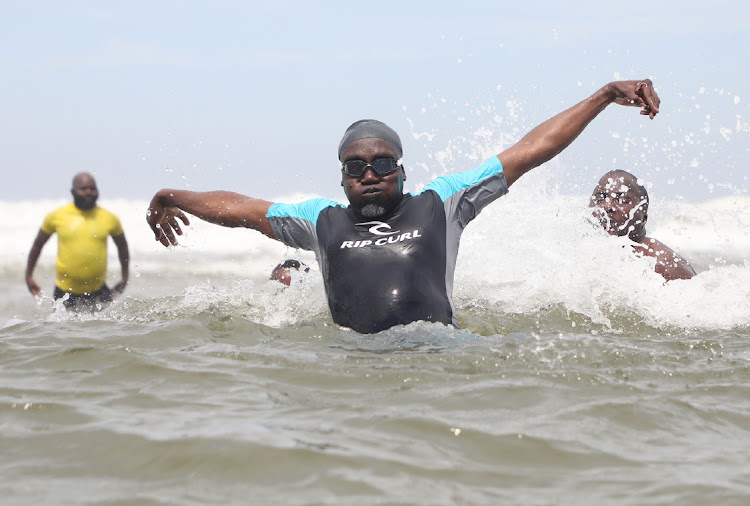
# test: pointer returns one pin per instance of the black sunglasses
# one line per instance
(381, 166)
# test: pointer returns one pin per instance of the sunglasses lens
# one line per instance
(381, 166)
(354, 168)
(384, 166)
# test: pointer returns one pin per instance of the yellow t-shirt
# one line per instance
(81, 246)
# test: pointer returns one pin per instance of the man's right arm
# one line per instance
(36, 250)
(223, 208)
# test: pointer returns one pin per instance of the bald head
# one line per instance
(84, 191)
(622, 177)
(83, 178)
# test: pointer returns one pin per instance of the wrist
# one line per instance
(608, 92)
(164, 197)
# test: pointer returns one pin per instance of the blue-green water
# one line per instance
(578, 377)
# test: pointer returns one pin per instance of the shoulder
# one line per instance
(104, 212)
(306, 210)
(64, 209)
(668, 263)
(654, 248)
(109, 220)
(59, 213)
(448, 185)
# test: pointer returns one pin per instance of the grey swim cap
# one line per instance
(370, 129)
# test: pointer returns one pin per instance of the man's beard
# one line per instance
(83, 203)
(372, 211)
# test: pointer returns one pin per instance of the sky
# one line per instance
(254, 96)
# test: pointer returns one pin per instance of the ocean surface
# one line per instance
(578, 376)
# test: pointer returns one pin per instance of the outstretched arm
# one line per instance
(224, 208)
(36, 249)
(554, 135)
(124, 255)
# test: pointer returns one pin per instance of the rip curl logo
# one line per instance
(377, 228)
(387, 236)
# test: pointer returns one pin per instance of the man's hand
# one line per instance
(637, 94)
(34, 288)
(163, 221)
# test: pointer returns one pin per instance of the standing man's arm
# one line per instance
(36, 250)
(223, 208)
(551, 137)
(124, 255)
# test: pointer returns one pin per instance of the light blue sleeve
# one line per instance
(449, 185)
(295, 224)
(465, 194)
(307, 210)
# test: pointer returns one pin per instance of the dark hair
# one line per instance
(292, 264)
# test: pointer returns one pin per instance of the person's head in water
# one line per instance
(620, 204)
(283, 272)
(84, 191)
(373, 180)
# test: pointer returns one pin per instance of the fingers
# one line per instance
(165, 235)
(165, 226)
(175, 224)
(159, 234)
(184, 218)
(650, 100)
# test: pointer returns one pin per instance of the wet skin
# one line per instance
(371, 188)
(620, 207)
(85, 192)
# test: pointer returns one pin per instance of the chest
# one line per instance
(413, 233)
(82, 227)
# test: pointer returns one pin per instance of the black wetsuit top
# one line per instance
(398, 268)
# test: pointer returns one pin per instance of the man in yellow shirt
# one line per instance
(82, 229)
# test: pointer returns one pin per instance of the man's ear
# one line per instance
(403, 171)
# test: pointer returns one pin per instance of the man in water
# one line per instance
(388, 258)
(82, 229)
(283, 272)
(620, 204)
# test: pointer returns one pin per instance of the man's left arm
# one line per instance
(554, 135)
(124, 255)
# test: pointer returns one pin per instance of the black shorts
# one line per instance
(94, 301)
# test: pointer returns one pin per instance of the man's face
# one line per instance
(84, 192)
(619, 207)
(371, 195)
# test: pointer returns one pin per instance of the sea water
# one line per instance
(577, 377)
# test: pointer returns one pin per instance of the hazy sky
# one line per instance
(253, 96)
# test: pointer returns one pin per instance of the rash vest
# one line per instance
(398, 268)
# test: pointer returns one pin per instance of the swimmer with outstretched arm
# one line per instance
(620, 203)
(388, 258)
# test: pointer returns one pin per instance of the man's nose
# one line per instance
(370, 176)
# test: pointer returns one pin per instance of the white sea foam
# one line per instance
(530, 250)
